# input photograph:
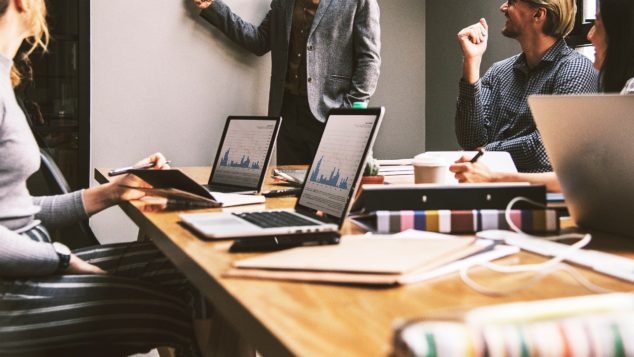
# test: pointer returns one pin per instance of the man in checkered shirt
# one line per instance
(492, 111)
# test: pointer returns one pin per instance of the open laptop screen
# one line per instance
(339, 161)
(244, 152)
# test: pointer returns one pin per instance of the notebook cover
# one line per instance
(445, 197)
(430, 270)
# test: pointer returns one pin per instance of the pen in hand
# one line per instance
(477, 156)
(125, 170)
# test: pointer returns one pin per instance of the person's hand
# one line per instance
(203, 4)
(465, 171)
(473, 40)
(77, 266)
(126, 194)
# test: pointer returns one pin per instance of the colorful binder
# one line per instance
(463, 221)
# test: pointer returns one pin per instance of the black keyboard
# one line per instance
(273, 219)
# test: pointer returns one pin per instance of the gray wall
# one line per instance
(164, 81)
(402, 83)
(444, 60)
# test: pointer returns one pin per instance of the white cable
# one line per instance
(541, 270)
(580, 278)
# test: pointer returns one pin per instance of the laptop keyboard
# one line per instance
(220, 189)
(275, 219)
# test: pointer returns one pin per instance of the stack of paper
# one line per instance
(396, 167)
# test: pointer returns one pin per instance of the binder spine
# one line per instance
(466, 221)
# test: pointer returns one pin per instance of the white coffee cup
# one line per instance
(429, 169)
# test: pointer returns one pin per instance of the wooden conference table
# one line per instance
(286, 318)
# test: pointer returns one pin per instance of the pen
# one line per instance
(125, 170)
(477, 156)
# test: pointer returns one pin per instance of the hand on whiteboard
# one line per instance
(203, 4)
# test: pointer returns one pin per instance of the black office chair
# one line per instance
(49, 180)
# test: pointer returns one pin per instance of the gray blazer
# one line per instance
(343, 51)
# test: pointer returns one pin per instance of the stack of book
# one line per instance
(396, 167)
(595, 325)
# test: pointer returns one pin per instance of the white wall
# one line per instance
(163, 80)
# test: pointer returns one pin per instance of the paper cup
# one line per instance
(430, 170)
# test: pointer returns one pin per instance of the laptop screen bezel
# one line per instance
(258, 188)
(378, 114)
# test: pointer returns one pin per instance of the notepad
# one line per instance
(373, 260)
(219, 199)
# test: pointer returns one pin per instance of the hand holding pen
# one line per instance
(468, 169)
(144, 166)
(121, 184)
(477, 156)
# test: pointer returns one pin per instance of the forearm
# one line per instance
(98, 198)
(549, 179)
(527, 151)
(254, 39)
(23, 257)
(367, 60)
(470, 122)
(364, 81)
(471, 70)
(60, 210)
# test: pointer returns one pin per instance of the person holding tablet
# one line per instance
(109, 300)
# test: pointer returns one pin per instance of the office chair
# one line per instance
(49, 180)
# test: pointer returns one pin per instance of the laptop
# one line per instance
(327, 193)
(243, 155)
(241, 161)
(588, 139)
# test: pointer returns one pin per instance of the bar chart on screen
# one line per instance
(243, 152)
(337, 161)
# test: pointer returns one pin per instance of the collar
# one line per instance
(553, 54)
(5, 65)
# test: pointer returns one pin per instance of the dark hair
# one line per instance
(618, 66)
(3, 6)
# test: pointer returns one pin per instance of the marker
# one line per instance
(125, 170)
(477, 156)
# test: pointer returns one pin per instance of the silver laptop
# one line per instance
(243, 155)
(589, 140)
(327, 192)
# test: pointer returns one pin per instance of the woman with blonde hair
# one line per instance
(110, 300)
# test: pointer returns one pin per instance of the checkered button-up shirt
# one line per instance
(494, 114)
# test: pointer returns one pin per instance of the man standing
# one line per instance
(325, 54)
(493, 111)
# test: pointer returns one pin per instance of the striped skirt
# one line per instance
(142, 303)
